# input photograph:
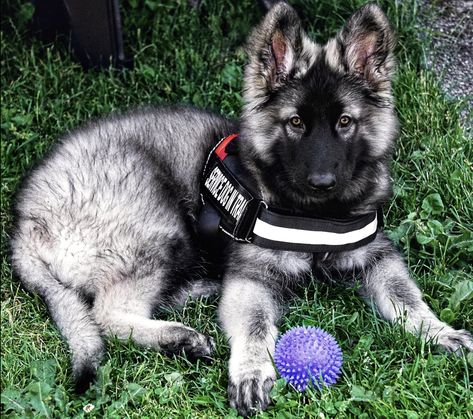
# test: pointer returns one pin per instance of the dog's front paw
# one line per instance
(455, 340)
(249, 392)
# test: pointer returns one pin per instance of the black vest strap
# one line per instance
(232, 206)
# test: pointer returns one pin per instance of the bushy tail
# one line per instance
(76, 324)
(68, 310)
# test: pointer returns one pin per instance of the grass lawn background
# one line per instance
(184, 55)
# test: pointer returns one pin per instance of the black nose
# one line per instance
(323, 181)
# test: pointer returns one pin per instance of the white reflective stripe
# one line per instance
(292, 235)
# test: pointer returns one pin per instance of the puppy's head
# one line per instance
(318, 123)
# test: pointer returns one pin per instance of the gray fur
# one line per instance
(105, 218)
(106, 223)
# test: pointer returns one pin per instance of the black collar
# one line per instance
(232, 206)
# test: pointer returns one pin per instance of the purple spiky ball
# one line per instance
(307, 355)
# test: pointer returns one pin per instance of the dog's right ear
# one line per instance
(368, 44)
(273, 50)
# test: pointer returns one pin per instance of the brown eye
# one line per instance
(296, 122)
(344, 121)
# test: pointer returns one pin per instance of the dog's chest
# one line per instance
(326, 267)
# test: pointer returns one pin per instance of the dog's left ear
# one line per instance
(368, 42)
(273, 51)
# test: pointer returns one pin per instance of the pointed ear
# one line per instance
(368, 44)
(273, 49)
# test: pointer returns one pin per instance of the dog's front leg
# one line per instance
(253, 292)
(387, 284)
(248, 313)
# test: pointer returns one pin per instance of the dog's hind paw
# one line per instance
(250, 393)
(187, 341)
(455, 340)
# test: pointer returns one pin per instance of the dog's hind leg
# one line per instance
(205, 287)
(124, 309)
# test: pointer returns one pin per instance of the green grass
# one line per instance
(184, 56)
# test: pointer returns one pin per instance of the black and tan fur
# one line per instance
(105, 228)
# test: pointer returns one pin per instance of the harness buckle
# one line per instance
(243, 230)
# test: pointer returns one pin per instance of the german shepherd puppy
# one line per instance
(106, 223)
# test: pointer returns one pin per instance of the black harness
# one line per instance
(232, 206)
